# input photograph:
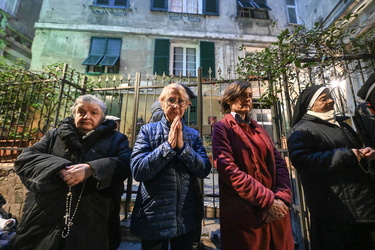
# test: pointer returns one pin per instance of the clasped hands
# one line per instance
(175, 136)
(365, 153)
(75, 174)
(277, 211)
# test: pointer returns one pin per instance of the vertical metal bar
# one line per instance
(350, 79)
(62, 82)
(287, 100)
(200, 101)
(134, 134)
(136, 105)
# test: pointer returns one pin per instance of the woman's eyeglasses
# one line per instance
(245, 95)
(172, 101)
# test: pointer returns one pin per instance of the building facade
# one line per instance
(154, 36)
(361, 25)
(17, 20)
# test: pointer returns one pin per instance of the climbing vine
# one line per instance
(306, 54)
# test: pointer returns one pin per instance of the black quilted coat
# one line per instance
(96, 222)
(336, 186)
(169, 200)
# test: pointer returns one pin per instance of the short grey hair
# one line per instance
(89, 99)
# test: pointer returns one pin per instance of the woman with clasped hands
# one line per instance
(168, 159)
(76, 173)
(253, 178)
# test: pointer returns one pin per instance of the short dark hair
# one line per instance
(231, 93)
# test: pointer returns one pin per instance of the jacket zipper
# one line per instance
(178, 200)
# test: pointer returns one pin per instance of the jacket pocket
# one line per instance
(146, 204)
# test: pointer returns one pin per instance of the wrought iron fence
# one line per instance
(33, 102)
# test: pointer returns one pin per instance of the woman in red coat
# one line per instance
(253, 178)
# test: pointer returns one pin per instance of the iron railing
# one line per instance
(33, 102)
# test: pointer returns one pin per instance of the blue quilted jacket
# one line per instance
(169, 200)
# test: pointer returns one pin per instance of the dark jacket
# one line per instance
(335, 185)
(96, 222)
(365, 123)
(169, 200)
(156, 112)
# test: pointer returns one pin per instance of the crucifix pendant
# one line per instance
(66, 219)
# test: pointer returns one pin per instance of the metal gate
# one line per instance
(32, 103)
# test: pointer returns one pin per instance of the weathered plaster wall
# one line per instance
(65, 28)
(326, 12)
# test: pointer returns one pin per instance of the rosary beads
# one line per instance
(68, 211)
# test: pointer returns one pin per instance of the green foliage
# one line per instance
(26, 96)
(312, 52)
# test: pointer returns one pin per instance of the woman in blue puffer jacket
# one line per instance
(168, 159)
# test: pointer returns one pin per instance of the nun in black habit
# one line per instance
(330, 162)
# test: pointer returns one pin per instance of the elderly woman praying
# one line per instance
(168, 159)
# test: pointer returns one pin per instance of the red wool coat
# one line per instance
(251, 175)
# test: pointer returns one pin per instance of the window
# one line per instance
(184, 60)
(292, 11)
(104, 55)
(206, 7)
(10, 7)
(264, 118)
(253, 9)
(112, 3)
(185, 6)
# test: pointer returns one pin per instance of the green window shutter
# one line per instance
(98, 46)
(113, 50)
(211, 7)
(109, 60)
(161, 56)
(114, 46)
(160, 5)
(97, 51)
(207, 58)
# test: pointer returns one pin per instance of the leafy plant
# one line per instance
(27, 96)
(303, 56)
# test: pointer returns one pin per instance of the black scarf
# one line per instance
(75, 142)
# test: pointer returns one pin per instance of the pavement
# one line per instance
(210, 237)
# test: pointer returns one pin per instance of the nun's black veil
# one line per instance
(302, 103)
(362, 92)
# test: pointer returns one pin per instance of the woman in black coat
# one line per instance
(331, 164)
(76, 173)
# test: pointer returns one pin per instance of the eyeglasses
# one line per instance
(245, 95)
(172, 101)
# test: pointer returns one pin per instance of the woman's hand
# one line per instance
(76, 174)
(367, 153)
(180, 137)
(277, 211)
(358, 154)
(175, 137)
